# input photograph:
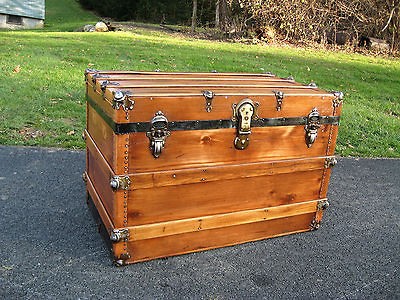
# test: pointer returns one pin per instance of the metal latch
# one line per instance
(243, 113)
(158, 133)
(279, 99)
(120, 183)
(208, 95)
(121, 99)
(311, 128)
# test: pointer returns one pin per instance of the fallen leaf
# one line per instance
(8, 268)
(72, 132)
(17, 69)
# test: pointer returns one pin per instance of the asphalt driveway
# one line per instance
(50, 247)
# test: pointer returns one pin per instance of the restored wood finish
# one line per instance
(190, 149)
(180, 226)
(201, 192)
(208, 239)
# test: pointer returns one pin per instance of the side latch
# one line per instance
(117, 235)
(311, 127)
(279, 99)
(243, 113)
(120, 183)
(209, 96)
(121, 99)
(158, 133)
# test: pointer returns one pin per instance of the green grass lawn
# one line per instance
(42, 102)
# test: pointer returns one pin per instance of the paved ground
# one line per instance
(50, 248)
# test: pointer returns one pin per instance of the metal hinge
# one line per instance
(118, 235)
(338, 100)
(330, 162)
(208, 95)
(121, 99)
(311, 128)
(120, 261)
(279, 99)
(120, 183)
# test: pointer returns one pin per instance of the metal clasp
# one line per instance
(244, 112)
(311, 127)
(158, 133)
(208, 95)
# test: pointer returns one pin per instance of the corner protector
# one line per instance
(330, 162)
(118, 235)
(120, 261)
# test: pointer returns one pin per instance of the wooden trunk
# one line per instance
(184, 162)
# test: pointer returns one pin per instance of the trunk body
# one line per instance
(184, 162)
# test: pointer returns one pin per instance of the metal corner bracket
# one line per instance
(322, 205)
(120, 183)
(314, 225)
(120, 261)
(330, 162)
(118, 235)
(121, 99)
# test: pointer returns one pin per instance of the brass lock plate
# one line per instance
(243, 113)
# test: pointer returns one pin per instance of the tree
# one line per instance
(194, 15)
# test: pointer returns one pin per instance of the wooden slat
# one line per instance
(108, 224)
(102, 134)
(191, 149)
(208, 198)
(221, 220)
(224, 172)
(100, 173)
(208, 239)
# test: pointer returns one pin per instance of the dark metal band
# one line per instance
(124, 128)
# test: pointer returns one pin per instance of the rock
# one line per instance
(101, 27)
(373, 44)
(89, 28)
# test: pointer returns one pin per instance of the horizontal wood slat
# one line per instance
(198, 199)
(220, 237)
(217, 221)
(191, 149)
(224, 172)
